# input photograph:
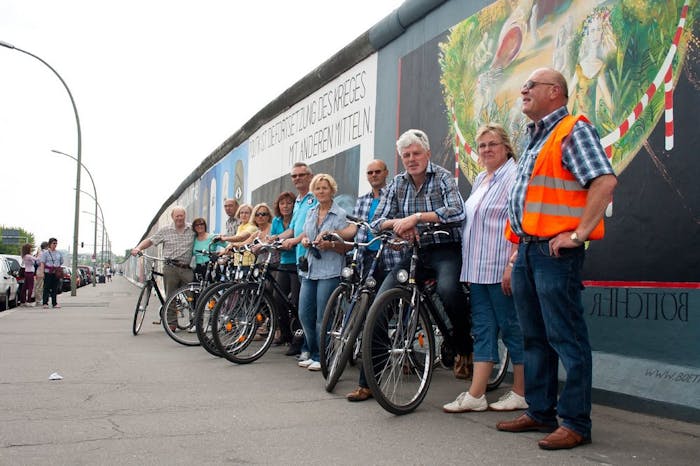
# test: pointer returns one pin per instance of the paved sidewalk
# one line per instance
(147, 400)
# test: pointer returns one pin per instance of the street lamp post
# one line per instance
(94, 188)
(104, 228)
(76, 220)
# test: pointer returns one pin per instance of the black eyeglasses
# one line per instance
(262, 214)
(298, 175)
(198, 224)
(374, 172)
(529, 84)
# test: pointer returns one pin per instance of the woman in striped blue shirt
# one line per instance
(486, 269)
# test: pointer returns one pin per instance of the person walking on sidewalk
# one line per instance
(39, 280)
(28, 262)
(563, 184)
(51, 270)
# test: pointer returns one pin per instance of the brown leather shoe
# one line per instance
(563, 438)
(462, 368)
(524, 423)
(359, 394)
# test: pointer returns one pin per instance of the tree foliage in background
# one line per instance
(14, 245)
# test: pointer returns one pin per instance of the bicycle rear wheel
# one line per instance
(203, 313)
(500, 369)
(244, 323)
(141, 306)
(398, 348)
(178, 315)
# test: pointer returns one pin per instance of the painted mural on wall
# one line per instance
(225, 180)
(621, 59)
(632, 68)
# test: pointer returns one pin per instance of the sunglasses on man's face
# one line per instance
(374, 172)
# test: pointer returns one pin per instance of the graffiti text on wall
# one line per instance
(625, 303)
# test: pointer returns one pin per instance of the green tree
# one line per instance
(13, 238)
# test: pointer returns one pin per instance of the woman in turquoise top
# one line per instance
(202, 240)
(286, 275)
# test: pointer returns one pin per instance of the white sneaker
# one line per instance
(303, 356)
(305, 363)
(509, 402)
(465, 403)
(315, 366)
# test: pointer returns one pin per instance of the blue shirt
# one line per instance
(301, 210)
(438, 194)
(331, 263)
(365, 209)
(286, 257)
(582, 154)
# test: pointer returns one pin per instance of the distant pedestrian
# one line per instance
(39, 279)
(51, 264)
(28, 262)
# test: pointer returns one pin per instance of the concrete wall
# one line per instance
(446, 67)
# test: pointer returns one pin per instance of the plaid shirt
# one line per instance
(362, 208)
(582, 155)
(176, 246)
(438, 194)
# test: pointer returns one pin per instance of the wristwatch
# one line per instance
(574, 237)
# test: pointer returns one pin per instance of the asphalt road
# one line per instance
(147, 400)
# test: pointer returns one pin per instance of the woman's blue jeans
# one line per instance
(313, 297)
(547, 294)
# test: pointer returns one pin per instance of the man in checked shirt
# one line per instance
(427, 193)
(177, 239)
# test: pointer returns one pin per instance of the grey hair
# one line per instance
(413, 136)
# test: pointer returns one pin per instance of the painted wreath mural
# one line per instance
(621, 59)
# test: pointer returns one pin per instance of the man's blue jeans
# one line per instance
(313, 298)
(547, 293)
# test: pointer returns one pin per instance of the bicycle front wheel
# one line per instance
(178, 315)
(398, 348)
(141, 306)
(244, 323)
(203, 312)
(342, 322)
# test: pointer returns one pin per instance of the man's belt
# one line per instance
(534, 239)
(178, 264)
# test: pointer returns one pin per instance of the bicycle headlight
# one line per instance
(371, 282)
(402, 276)
(346, 273)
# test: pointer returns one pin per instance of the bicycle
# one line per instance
(398, 341)
(145, 296)
(345, 312)
(245, 316)
(179, 312)
(224, 272)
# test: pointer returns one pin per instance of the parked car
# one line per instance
(88, 274)
(8, 286)
(67, 272)
(82, 278)
(16, 269)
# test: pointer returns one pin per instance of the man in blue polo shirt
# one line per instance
(301, 178)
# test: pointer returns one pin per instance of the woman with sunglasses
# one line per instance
(245, 230)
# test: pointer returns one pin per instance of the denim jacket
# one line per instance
(331, 263)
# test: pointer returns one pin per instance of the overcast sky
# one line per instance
(158, 86)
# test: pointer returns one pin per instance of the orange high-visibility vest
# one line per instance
(554, 200)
